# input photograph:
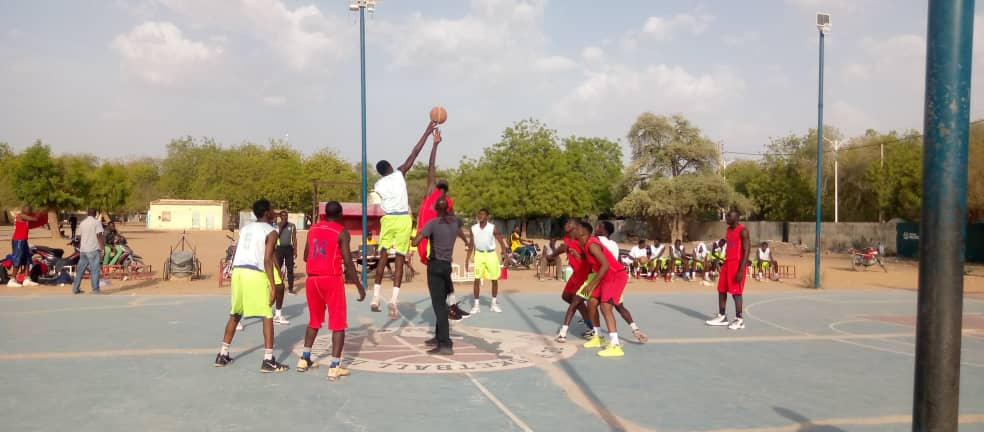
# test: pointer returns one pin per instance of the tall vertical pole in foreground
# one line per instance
(946, 128)
(365, 186)
(823, 27)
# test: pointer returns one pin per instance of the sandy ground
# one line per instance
(155, 246)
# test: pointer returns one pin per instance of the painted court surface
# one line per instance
(818, 361)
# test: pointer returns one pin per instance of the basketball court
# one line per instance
(818, 361)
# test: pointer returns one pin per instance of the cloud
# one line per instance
(828, 6)
(661, 28)
(739, 39)
(159, 53)
(303, 37)
(555, 64)
(274, 101)
(592, 53)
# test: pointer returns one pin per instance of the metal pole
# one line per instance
(836, 180)
(817, 248)
(365, 187)
(946, 129)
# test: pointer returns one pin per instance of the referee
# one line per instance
(441, 233)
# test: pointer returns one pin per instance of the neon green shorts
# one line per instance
(487, 265)
(582, 292)
(250, 293)
(394, 233)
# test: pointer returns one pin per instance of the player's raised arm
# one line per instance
(407, 164)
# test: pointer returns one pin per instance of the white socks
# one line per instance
(613, 338)
(563, 331)
(376, 288)
(268, 354)
(278, 313)
(494, 301)
(225, 349)
(396, 294)
(634, 326)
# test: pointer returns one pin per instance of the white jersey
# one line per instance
(700, 251)
(638, 252)
(765, 255)
(657, 250)
(392, 191)
(610, 244)
(251, 248)
(677, 251)
(483, 238)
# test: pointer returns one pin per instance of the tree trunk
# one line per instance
(677, 227)
(53, 223)
(522, 226)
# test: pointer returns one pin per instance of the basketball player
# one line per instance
(657, 256)
(485, 235)
(252, 284)
(764, 263)
(732, 280)
(699, 260)
(575, 258)
(640, 258)
(606, 287)
(603, 230)
(679, 254)
(396, 225)
(329, 264)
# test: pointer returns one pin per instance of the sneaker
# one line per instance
(222, 360)
(272, 366)
(737, 324)
(495, 308)
(280, 320)
(432, 342)
(441, 350)
(595, 342)
(375, 305)
(640, 336)
(239, 327)
(611, 351)
(474, 310)
(588, 334)
(720, 320)
(561, 338)
(454, 309)
(291, 292)
(30, 283)
(336, 372)
(13, 284)
(303, 364)
(394, 313)
(453, 315)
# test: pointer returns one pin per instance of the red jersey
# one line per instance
(427, 212)
(613, 264)
(735, 249)
(324, 257)
(575, 255)
(21, 227)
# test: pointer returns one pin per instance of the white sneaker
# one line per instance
(495, 308)
(475, 309)
(239, 327)
(737, 324)
(720, 320)
(29, 283)
(13, 284)
(279, 319)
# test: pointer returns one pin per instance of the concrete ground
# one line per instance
(807, 361)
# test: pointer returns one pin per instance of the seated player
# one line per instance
(698, 261)
(716, 259)
(547, 266)
(680, 263)
(764, 263)
(659, 258)
(642, 265)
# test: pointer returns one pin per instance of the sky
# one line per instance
(121, 78)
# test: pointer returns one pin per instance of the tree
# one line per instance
(524, 175)
(671, 179)
(327, 166)
(599, 162)
(48, 184)
(143, 177)
(975, 181)
(898, 185)
(8, 199)
(110, 188)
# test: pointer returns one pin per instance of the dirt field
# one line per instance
(154, 247)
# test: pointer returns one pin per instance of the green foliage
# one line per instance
(46, 183)
(898, 186)
(143, 177)
(8, 161)
(671, 179)
(528, 174)
(110, 187)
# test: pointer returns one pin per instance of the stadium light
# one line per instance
(362, 6)
(823, 25)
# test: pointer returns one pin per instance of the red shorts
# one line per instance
(575, 282)
(326, 292)
(610, 288)
(726, 281)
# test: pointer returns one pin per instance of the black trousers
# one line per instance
(439, 284)
(285, 258)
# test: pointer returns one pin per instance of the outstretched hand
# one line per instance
(437, 136)
(362, 290)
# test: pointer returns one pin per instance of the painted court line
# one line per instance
(852, 421)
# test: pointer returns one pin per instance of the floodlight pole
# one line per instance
(817, 248)
(946, 129)
(361, 6)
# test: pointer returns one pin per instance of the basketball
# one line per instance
(439, 115)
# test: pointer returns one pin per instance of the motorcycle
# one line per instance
(225, 264)
(126, 263)
(49, 264)
(864, 258)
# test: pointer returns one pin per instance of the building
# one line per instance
(201, 215)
